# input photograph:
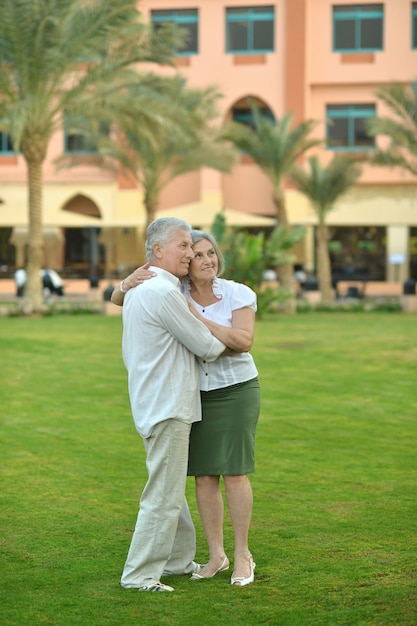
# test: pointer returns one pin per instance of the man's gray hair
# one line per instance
(161, 231)
(199, 235)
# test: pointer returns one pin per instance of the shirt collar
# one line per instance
(165, 274)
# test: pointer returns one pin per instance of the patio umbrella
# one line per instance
(200, 214)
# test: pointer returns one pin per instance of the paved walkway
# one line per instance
(82, 288)
(80, 291)
(71, 287)
(76, 291)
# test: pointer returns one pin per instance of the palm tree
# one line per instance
(323, 186)
(182, 138)
(401, 129)
(275, 147)
(62, 57)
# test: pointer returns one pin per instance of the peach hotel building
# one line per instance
(320, 59)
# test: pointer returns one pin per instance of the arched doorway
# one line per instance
(241, 111)
(84, 256)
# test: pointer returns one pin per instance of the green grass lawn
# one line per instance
(334, 531)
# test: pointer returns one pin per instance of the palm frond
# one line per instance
(273, 145)
(61, 52)
(401, 128)
(323, 186)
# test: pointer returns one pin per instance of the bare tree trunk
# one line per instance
(33, 297)
(323, 265)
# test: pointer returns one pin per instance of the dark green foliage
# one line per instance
(247, 256)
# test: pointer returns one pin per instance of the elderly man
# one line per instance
(161, 338)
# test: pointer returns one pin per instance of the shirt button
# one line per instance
(206, 374)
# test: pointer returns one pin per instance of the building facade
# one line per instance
(320, 60)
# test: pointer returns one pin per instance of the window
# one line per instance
(244, 116)
(77, 141)
(358, 27)
(7, 250)
(346, 126)
(414, 25)
(186, 20)
(6, 146)
(358, 250)
(250, 30)
(413, 251)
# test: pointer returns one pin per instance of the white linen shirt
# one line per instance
(161, 339)
(239, 367)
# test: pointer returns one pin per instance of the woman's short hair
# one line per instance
(161, 231)
(199, 235)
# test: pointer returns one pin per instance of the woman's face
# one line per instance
(205, 264)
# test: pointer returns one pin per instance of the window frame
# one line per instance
(178, 20)
(350, 112)
(249, 15)
(6, 146)
(359, 14)
(89, 149)
(414, 25)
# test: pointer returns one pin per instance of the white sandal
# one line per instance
(239, 581)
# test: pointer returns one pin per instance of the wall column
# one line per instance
(309, 247)
(211, 188)
(296, 59)
(108, 239)
(397, 253)
(19, 239)
(54, 241)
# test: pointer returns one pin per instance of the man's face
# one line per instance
(176, 255)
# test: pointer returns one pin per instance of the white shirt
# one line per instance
(160, 340)
(228, 370)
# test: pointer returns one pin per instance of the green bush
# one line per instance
(248, 255)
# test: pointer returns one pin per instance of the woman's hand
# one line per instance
(137, 277)
(134, 279)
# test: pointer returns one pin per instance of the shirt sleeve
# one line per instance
(242, 296)
(178, 320)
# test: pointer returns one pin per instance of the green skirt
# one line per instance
(223, 443)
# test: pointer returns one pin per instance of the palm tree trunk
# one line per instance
(33, 297)
(323, 265)
(150, 212)
(285, 271)
(151, 205)
(281, 209)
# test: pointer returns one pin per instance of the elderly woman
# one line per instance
(223, 443)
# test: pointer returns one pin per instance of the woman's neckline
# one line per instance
(206, 298)
(207, 303)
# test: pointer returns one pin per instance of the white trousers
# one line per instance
(164, 540)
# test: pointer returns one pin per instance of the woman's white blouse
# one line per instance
(226, 370)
